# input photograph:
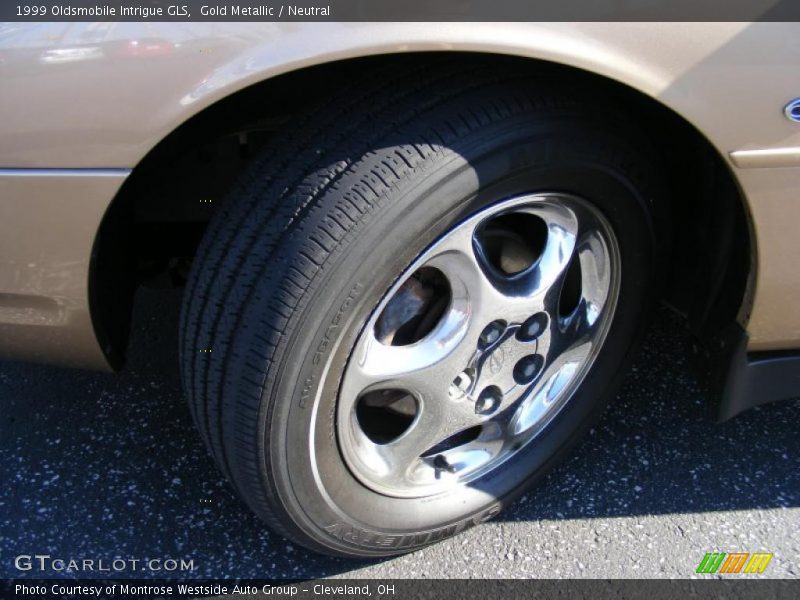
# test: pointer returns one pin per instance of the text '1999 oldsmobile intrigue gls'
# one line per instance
(417, 257)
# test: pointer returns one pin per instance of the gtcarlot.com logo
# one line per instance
(47, 563)
(734, 562)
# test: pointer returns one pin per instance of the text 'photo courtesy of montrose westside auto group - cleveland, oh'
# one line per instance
(379, 299)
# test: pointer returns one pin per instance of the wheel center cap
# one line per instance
(493, 368)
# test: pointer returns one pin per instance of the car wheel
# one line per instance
(416, 302)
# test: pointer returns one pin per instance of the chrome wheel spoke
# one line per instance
(537, 289)
(549, 389)
(436, 423)
(460, 259)
(566, 331)
(418, 367)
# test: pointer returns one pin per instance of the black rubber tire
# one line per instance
(315, 233)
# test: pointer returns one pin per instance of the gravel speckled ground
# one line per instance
(104, 466)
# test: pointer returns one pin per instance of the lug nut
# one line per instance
(489, 400)
(491, 333)
(532, 328)
(527, 368)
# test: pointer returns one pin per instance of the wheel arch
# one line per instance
(141, 236)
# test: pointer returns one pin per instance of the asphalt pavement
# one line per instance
(98, 465)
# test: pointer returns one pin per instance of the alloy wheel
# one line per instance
(478, 345)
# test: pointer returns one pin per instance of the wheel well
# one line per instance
(153, 226)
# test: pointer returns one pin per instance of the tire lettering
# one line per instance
(306, 393)
(310, 382)
(363, 537)
(327, 339)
